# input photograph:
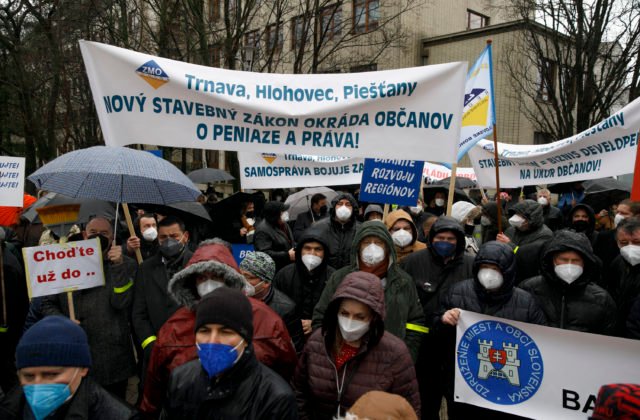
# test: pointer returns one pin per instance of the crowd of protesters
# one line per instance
(348, 311)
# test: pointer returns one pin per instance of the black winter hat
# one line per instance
(228, 307)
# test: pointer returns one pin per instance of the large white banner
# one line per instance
(11, 181)
(537, 372)
(412, 113)
(57, 268)
(607, 149)
(267, 170)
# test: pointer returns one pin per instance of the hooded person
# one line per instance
(373, 251)
(53, 361)
(434, 271)
(491, 291)
(373, 212)
(404, 233)
(274, 236)
(489, 221)
(227, 381)
(565, 288)
(259, 269)
(582, 218)
(211, 266)
(419, 216)
(340, 228)
(304, 280)
(528, 235)
(352, 353)
(466, 213)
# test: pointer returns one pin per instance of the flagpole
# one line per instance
(635, 187)
(496, 162)
(452, 187)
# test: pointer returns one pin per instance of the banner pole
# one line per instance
(132, 231)
(386, 212)
(452, 188)
(496, 161)
(635, 186)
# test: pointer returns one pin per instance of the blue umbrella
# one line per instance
(116, 174)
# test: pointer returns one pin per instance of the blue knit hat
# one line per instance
(53, 341)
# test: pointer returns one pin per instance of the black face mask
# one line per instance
(580, 226)
(104, 241)
(468, 229)
(171, 248)
(322, 210)
(249, 215)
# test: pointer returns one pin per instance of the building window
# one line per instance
(542, 138)
(363, 68)
(214, 10)
(547, 70)
(299, 25)
(366, 14)
(330, 21)
(215, 52)
(475, 20)
(252, 39)
(275, 37)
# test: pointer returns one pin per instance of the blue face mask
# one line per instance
(444, 248)
(216, 358)
(44, 399)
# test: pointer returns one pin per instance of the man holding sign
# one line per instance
(103, 312)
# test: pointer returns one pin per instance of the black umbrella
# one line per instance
(204, 175)
(431, 190)
(184, 210)
(601, 193)
(461, 183)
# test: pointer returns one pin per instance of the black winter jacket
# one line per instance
(249, 390)
(304, 287)
(271, 239)
(90, 402)
(581, 305)
(553, 217)
(624, 282)
(490, 210)
(530, 243)
(286, 309)
(338, 236)
(306, 220)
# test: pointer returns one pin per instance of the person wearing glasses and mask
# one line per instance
(352, 353)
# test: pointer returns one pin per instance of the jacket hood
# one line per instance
(587, 208)
(531, 210)
(373, 208)
(312, 234)
(490, 209)
(367, 289)
(211, 256)
(373, 228)
(461, 209)
(445, 223)
(494, 252)
(567, 240)
(396, 215)
(342, 196)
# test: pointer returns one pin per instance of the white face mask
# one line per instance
(490, 279)
(517, 221)
(284, 217)
(415, 209)
(631, 254)
(440, 202)
(150, 234)
(343, 213)
(251, 221)
(402, 238)
(248, 289)
(485, 221)
(543, 201)
(352, 329)
(311, 261)
(568, 272)
(617, 219)
(372, 255)
(208, 286)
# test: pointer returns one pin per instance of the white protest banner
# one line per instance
(57, 268)
(11, 181)
(409, 113)
(606, 149)
(267, 170)
(437, 172)
(537, 372)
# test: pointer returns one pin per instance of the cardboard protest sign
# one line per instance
(57, 268)
(267, 170)
(11, 181)
(535, 371)
(391, 181)
(143, 99)
(606, 149)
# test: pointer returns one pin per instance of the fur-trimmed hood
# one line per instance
(212, 256)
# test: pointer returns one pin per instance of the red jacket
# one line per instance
(175, 344)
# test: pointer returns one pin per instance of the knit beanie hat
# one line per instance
(53, 341)
(228, 307)
(378, 405)
(260, 265)
(617, 401)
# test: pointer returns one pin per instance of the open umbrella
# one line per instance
(205, 175)
(184, 210)
(300, 201)
(601, 193)
(460, 183)
(89, 208)
(431, 190)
